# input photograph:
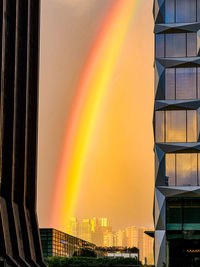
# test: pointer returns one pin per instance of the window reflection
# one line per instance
(176, 45)
(182, 169)
(176, 126)
(181, 11)
(178, 80)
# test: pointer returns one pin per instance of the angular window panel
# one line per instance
(160, 46)
(191, 44)
(170, 84)
(176, 45)
(170, 169)
(186, 83)
(191, 126)
(159, 117)
(186, 169)
(176, 126)
(169, 11)
(185, 10)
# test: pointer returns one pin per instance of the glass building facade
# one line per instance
(57, 243)
(177, 133)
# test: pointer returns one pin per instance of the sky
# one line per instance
(95, 145)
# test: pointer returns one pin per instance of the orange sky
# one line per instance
(117, 181)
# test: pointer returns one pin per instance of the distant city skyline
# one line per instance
(100, 232)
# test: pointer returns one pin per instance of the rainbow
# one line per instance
(91, 92)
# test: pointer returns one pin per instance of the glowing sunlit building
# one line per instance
(57, 243)
(176, 132)
(73, 227)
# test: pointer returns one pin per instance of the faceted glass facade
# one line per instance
(57, 243)
(176, 131)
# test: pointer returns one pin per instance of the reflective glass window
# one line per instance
(186, 169)
(191, 214)
(185, 10)
(176, 126)
(170, 84)
(191, 44)
(174, 215)
(186, 83)
(169, 11)
(170, 169)
(191, 126)
(160, 46)
(175, 45)
(160, 131)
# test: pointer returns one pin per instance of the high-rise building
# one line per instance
(85, 230)
(19, 47)
(73, 227)
(177, 133)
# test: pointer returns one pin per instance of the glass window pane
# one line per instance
(191, 44)
(191, 214)
(191, 126)
(170, 169)
(176, 45)
(170, 84)
(169, 11)
(185, 83)
(160, 126)
(185, 10)
(160, 45)
(186, 169)
(174, 215)
(176, 126)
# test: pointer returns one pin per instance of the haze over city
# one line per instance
(113, 180)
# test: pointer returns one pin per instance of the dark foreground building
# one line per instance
(177, 133)
(57, 243)
(19, 235)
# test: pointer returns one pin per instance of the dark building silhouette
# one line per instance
(177, 133)
(19, 235)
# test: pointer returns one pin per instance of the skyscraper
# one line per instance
(19, 31)
(176, 131)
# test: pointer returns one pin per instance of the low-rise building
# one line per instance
(57, 243)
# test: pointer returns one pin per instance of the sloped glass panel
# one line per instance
(170, 84)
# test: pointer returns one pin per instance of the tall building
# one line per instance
(73, 227)
(85, 230)
(19, 46)
(176, 131)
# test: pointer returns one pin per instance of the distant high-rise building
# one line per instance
(73, 227)
(108, 239)
(85, 230)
